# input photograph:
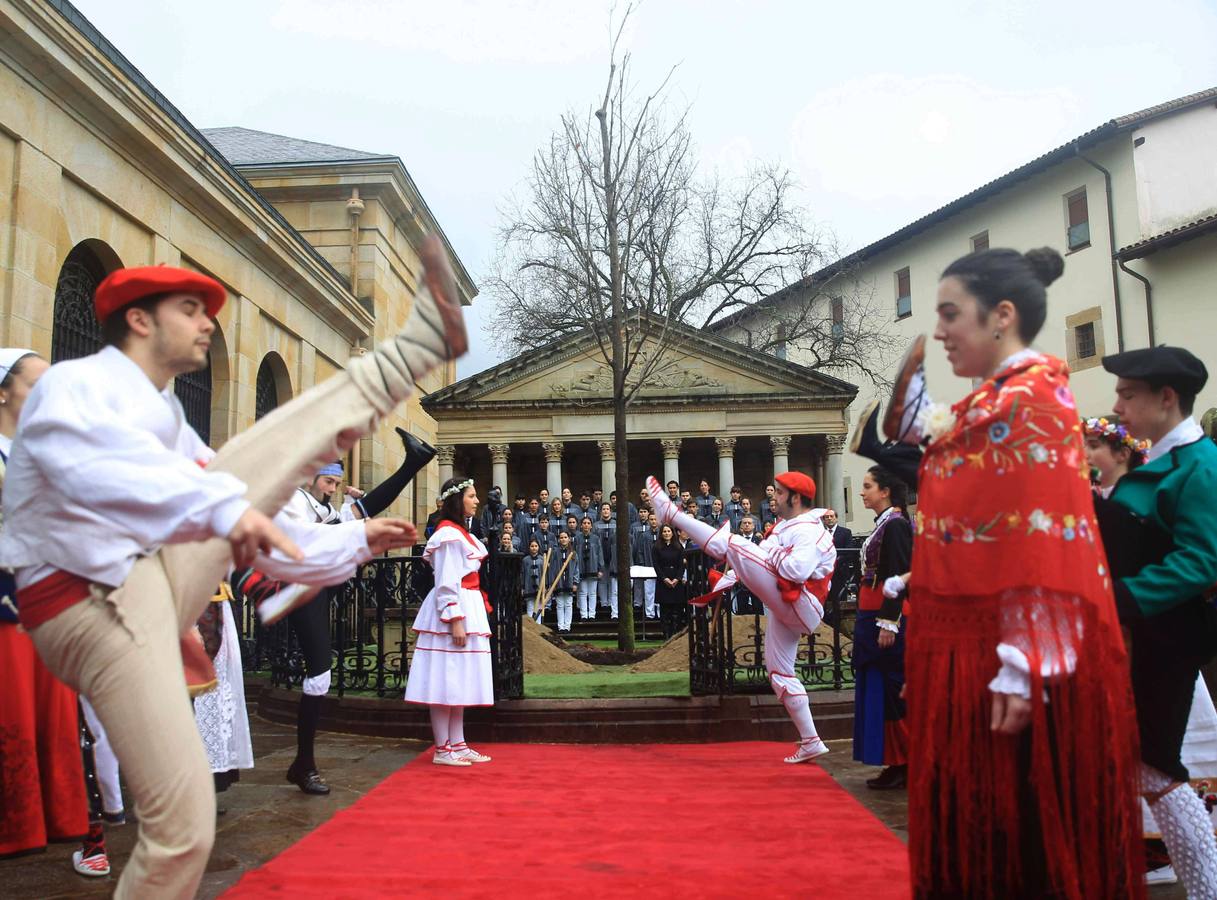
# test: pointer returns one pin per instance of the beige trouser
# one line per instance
(121, 650)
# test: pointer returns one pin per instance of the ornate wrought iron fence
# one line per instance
(726, 645)
(370, 638)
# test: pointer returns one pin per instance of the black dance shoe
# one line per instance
(418, 453)
(890, 779)
(309, 781)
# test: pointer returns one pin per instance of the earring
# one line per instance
(997, 335)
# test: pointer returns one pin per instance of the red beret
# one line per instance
(798, 482)
(125, 286)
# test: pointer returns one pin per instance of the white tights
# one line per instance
(1187, 832)
(448, 725)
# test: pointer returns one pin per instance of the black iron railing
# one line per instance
(726, 641)
(370, 639)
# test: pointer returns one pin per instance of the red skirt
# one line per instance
(42, 782)
(1051, 812)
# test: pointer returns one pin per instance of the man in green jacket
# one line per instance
(1169, 570)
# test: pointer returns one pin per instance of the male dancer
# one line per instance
(1166, 605)
(789, 572)
(311, 621)
(118, 535)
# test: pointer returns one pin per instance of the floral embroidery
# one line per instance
(939, 419)
(998, 431)
(950, 529)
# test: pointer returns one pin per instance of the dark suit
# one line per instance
(847, 563)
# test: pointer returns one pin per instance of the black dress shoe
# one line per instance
(890, 779)
(418, 452)
(309, 781)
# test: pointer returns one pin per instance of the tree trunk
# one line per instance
(625, 585)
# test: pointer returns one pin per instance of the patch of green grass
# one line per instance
(607, 682)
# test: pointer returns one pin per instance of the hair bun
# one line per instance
(1046, 264)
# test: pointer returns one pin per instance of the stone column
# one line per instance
(445, 455)
(835, 444)
(781, 453)
(608, 467)
(671, 459)
(498, 466)
(726, 465)
(553, 467)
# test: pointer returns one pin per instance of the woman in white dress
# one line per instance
(450, 668)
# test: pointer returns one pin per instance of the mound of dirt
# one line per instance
(673, 656)
(543, 653)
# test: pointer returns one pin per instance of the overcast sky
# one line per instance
(883, 110)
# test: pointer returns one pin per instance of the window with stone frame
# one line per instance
(904, 294)
(1077, 214)
(1084, 343)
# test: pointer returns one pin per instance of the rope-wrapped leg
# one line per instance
(286, 446)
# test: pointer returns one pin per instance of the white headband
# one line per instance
(9, 357)
(457, 489)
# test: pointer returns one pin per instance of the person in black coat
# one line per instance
(842, 539)
(670, 593)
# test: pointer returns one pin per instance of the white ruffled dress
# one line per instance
(442, 673)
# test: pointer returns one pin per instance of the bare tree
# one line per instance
(620, 240)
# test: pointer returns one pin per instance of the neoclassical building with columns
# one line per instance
(711, 409)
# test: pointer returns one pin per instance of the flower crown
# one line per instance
(457, 489)
(1115, 435)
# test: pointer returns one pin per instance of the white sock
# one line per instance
(799, 708)
(439, 726)
(456, 725)
(1187, 832)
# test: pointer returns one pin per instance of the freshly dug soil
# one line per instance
(673, 656)
(544, 653)
(604, 656)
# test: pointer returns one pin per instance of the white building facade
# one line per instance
(1132, 207)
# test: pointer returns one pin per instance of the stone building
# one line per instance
(710, 409)
(1132, 206)
(315, 244)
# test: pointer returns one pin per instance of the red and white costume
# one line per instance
(790, 572)
(442, 673)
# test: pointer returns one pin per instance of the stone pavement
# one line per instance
(265, 814)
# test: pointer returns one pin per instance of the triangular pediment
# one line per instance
(695, 364)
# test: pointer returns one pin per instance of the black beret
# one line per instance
(1161, 366)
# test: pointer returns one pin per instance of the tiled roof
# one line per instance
(1165, 239)
(245, 146)
(984, 192)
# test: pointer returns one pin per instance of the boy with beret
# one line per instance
(1168, 542)
(120, 522)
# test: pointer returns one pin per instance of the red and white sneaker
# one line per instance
(273, 599)
(807, 751)
(446, 756)
(464, 751)
(94, 866)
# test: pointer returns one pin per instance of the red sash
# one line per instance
(48, 597)
(817, 587)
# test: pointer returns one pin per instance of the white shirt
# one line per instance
(105, 470)
(1186, 432)
(800, 550)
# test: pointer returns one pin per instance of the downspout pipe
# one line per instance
(1149, 299)
(1111, 243)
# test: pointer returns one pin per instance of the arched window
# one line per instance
(76, 331)
(194, 390)
(267, 389)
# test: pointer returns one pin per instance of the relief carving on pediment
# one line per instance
(667, 376)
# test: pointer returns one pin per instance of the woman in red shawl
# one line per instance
(1023, 784)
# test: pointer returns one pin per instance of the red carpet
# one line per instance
(592, 821)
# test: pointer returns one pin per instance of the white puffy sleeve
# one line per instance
(448, 560)
(124, 474)
(332, 553)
